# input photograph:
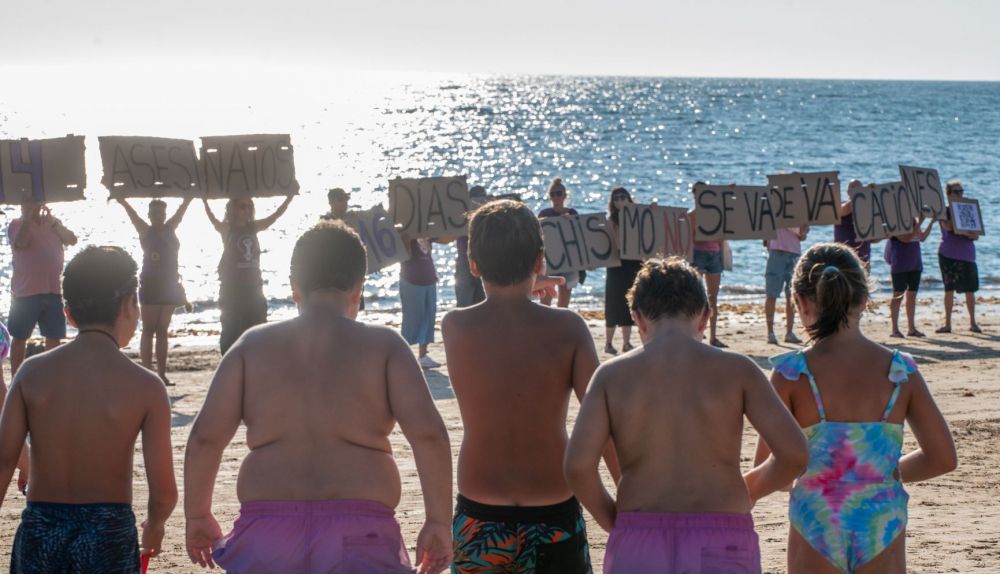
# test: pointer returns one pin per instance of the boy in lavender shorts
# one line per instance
(319, 395)
(678, 399)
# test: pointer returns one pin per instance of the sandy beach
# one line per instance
(954, 520)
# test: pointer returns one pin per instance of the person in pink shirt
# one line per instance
(783, 252)
(37, 240)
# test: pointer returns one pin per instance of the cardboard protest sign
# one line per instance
(46, 170)
(646, 231)
(883, 210)
(431, 206)
(382, 242)
(926, 192)
(805, 198)
(578, 242)
(733, 212)
(149, 167)
(259, 165)
(966, 217)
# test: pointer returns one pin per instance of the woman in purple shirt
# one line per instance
(843, 232)
(418, 298)
(957, 258)
(906, 265)
(557, 195)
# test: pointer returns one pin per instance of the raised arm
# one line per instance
(782, 451)
(13, 430)
(585, 363)
(591, 435)
(936, 455)
(213, 429)
(178, 215)
(157, 452)
(137, 221)
(411, 403)
(262, 224)
(219, 226)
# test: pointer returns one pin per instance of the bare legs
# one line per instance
(769, 307)
(911, 313)
(155, 324)
(949, 303)
(562, 298)
(712, 281)
(609, 336)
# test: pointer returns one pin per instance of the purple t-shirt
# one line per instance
(904, 256)
(551, 212)
(843, 232)
(462, 247)
(957, 247)
(419, 269)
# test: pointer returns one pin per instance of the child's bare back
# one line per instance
(513, 366)
(85, 404)
(676, 414)
(318, 410)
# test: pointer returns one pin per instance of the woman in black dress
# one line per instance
(619, 280)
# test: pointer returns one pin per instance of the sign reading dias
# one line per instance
(646, 231)
(42, 170)
(429, 207)
(255, 165)
(923, 185)
(149, 167)
(382, 242)
(805, 198)
(578, 242)
(883, 210)
(733, 212)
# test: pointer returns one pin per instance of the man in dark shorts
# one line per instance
(957, 258)
(514, 365)
(38, 241)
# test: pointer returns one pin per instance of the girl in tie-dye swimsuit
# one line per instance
(849, 508)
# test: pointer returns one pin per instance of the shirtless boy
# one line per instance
(319, 395)
(84, 404)
(674, 409)
(513, 365)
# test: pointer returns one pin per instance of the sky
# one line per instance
(884, 39)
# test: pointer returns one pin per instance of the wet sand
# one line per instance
(954, 520)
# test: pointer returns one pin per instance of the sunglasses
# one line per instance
(619, 198)
(557, 193)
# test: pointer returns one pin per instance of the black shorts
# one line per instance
(906, 281)
(958, 275)
(57, 537)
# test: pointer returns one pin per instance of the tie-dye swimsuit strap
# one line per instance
(849, 505)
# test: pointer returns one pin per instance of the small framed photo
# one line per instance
(966, 216)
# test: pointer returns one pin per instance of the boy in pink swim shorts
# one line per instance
(674, 410)
(319, 395)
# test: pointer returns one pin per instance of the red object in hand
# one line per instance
(144, 562)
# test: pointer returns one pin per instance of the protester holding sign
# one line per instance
(338, 200)
(241, 287)
(38, 240)
(957, 258)
(843, 232)
(906, 265)
(468, 287)
(557, 195)
(782, 254)
(160, 290)
(418, 298)
(617, 283)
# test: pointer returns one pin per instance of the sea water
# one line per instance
(654, 136)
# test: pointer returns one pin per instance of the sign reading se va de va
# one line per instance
(578, 242)
(805, 198)
(646, 231)
(883, 210)
(733, 212)
(430, 206)
(260, 165)
(149, 167)
(45, 170)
